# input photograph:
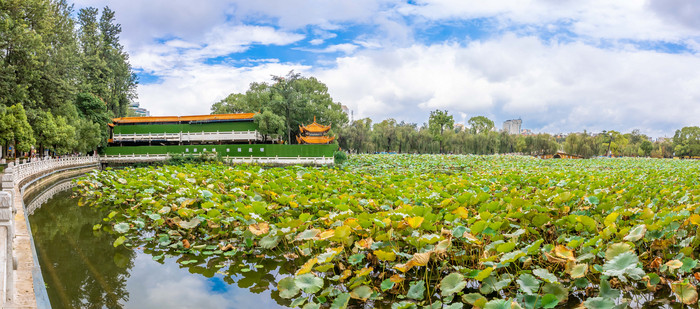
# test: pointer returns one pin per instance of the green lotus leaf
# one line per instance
(505, 247)
(452, 283)
(341, 301)
(120, 240)
(636, 233)
(511, 256)
(484, 274)
(556, 289)
(528, 284)
(416, 290)
(599, 303)
(499, 304)
(287, 287)
(688, 264)
(404, 305)
(616, 249)
(308, 234)
(297, 302)
(549, 301)
(593, 200)
(624, 265)
(473, 298)
(606, 291)
(121, 227)
(189, 224)
(312, 306)
(362, 292)
(269, 241)
(387, 284)
(309, 282)
(545, 275)
(356, 258)
(454, 306)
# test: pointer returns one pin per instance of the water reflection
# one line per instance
(82, 269)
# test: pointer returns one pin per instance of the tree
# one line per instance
(357, 135)
(438, 122)
(686, 141)
(294, 98)
(384, 133)
(23, 135)
(269, 124)
(45, 129)
(480, 124)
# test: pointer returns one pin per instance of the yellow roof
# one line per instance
(315, 139)
(314, 127)
(242, 116)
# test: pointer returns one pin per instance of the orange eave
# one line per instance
(315, 127)
(242, 116)
(315, 139)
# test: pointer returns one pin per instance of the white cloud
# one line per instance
(554, 88)
(346, 48)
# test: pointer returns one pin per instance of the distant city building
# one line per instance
(664, 139)
(345, 109)
(526, 132)
(512, 126)
(136, 111)
(459, 127)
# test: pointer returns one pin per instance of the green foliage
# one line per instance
(294, 99)
(340, 157)
(417, 229)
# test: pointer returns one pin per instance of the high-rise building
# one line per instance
(136, 111)
(512, 126)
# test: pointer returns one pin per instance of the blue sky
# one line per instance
(560, 65)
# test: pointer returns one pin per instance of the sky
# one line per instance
(559, 65)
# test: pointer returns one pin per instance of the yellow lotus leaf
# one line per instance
(385, 255)
(404, 267)
(414, 222)
(386, 221)
(259, 228)
(674, 264)
(364, 272)
(364, 243)
(442, 246)
(461, 212)
(346, 273)
(307, 266)
(471, 238)
(351, 222)
(396, 278)
(293, 204)
(564, 252)
(420, 259)
(695, 219)
(325, 235)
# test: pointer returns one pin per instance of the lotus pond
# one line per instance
(411, 231)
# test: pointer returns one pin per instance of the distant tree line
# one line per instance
(61, 79)
(292, 100)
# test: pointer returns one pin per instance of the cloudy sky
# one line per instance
(559, 65)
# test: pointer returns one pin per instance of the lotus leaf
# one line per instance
(121, 227)
(416, 290)
(686, 292)
(528, 284)
(287, 287)
(624, 266)
(545, 275)
(636, 233)
(452, 283)
(341, 301)
(599, 303)
(309, 283)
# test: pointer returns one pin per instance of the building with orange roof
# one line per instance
(314, 133)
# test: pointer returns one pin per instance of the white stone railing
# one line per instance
(190, 136)
(46, 195)
(26, 169)
(251, 159)
(13, 176)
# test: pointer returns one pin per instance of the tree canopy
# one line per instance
(63, 74)
(292, 100)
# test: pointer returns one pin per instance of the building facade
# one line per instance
(512, 126)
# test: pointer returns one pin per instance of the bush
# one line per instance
(340, 157)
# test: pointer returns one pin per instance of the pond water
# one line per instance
(82, 269)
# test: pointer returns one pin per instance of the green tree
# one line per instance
(357, 136)
(45, 129)
(438, 122)
(23, 135)
(295, 98)
(480, 124)
(686, 141)
(269, 124)
(384, 134)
